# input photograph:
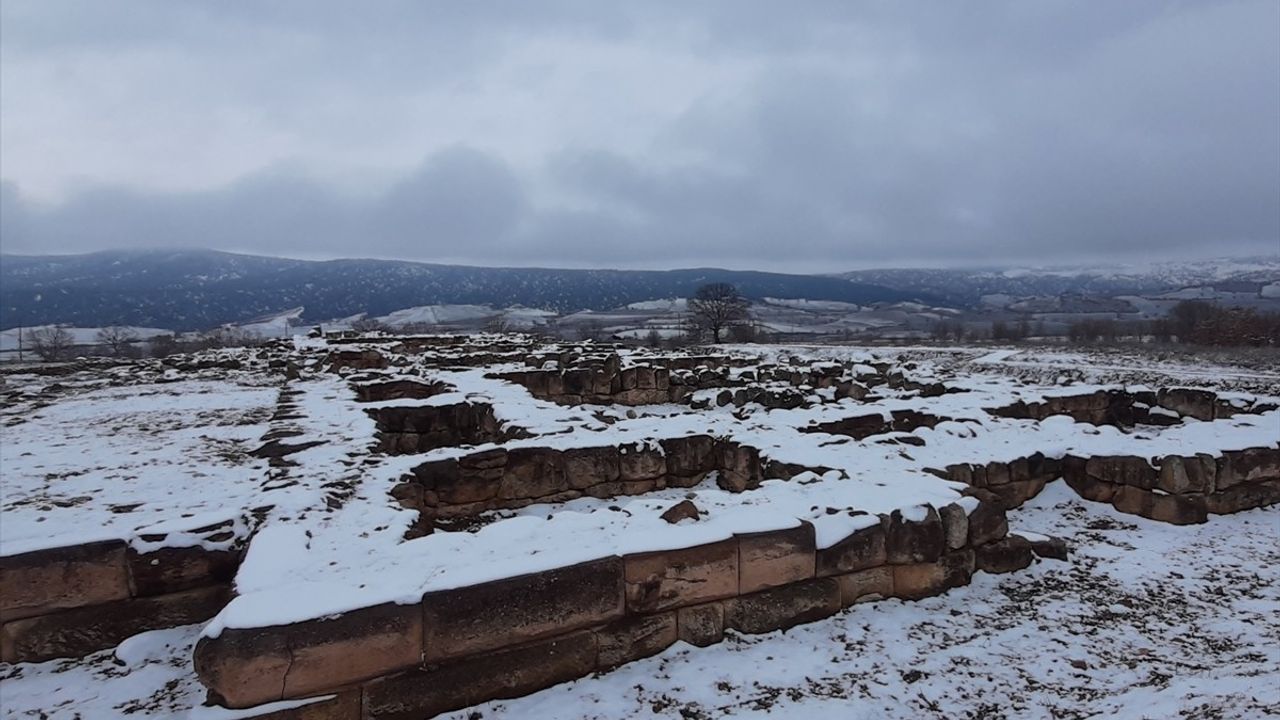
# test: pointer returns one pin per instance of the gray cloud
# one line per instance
(647, 135)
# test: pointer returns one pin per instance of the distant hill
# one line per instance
(967, 287)
(194, 290)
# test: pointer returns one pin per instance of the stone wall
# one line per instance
(410, 429)
(1123, 408)
(503, 478)
(1179, 489)
(860, 427)
(71, 601)
(1175, 489)
(514, 636)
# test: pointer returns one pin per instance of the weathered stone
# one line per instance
(353, 646)
(777, 557)
(1009, 553)
(1185, 509)
(80, 631)
(921, 580)
(691, 456)
(1015, 493)
(739, 467)
(1091, 488)
(862, 549)
(44, 581)
(987, 522)
(701, 625)
(997, 474)
(532, 473)
(783, 607)
(914, 541)
(506, 673)
(1181, 475)
(1122, 470)
(504, 612)
(1244, 497)
(955, 525)
(674, 578)
(683, 510)
(584, 467)
(1199, 404)
(641, 461)
(1252, 465)
(635, 637)
(865, 585)
(1050, 547)
(170, 570)
(243, 667)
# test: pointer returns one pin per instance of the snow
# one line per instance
(79, 335)
(437, 314)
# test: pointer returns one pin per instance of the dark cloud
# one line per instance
(646, 135)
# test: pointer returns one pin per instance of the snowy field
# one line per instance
(1146, 620)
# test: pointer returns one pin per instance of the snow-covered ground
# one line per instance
(1146, 620)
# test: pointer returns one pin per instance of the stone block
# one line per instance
(909, 540)
(1012, 552)
(921, 580)
(1252, 465)
(862, 549)
(1091, 488)
(955, 526)
(773, 558)
(170, 570)
(1122, 470)
(690, 456)
(1017, 492)
(641, 462)
(80, 631)
(490, 615)
(701, 625)
(740, 467)
(357, 645)
(507, 673)
(987, 522)
(865, 585)
(343, 706)
(674, 578)
(1175, 509)
(783, 607)
(45, 581)
(1181, 475)
(1190, 402)
(243, 667)
(585, 467)
(635, 637)
(1244, 497)
(532, 473)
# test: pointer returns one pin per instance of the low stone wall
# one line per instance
(1013, 482)
(514, 636)
(511, 478)
(71, 601)
(400, 389)
(410, 429)
(1179, 489)
(1123, 408)
(640, 385)
(860, 427)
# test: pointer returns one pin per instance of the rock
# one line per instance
(701, 625)
(1051, 548)
(774, 558)
(634, 638)
(783, 607)
(1012, 552)
(910, 541)
(688, 576)
(866, 585)
(683, 510)
(862, 549)
(44, 581)
(921, 580)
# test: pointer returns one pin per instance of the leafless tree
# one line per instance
(50, 343)
(117, 341)
(717, 306)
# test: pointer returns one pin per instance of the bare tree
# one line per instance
(50, 343)
(717, 306)
(118, 341)
(164, 345)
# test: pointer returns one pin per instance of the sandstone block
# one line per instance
(483, 617)
(1122, 470)
(777, 557)
(1186, 509)
(44, 581)
(1199, 404)
(80, 631)
(1012, 552)
(987, 522)
(636, 637)
(1244, 497)
(955, 526)
(909, 540)
(921, 580)
(674, 578)
(532, 473)
(243, 668)
(641, 462)
(170, 570)
(701, 625)
(584, 467)
(865, 585)
(506, 673)
(693, 455)
(740, 467)
(864, 548)
(1181, 475)
(343, 706)
(783, 607)
(354, 646)
(1091, 488)
(1252, 465)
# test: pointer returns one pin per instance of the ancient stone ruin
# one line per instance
(430, 523)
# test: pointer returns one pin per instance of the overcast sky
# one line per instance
(807, 136)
